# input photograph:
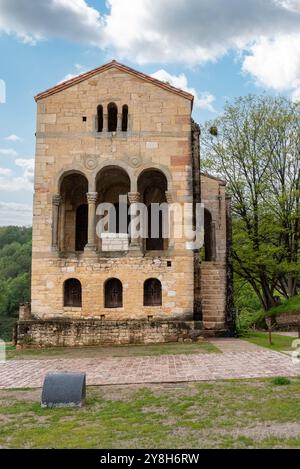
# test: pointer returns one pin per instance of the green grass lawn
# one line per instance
(112, 351)
(224, 414)
(279, 342)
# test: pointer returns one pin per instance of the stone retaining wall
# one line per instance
(68, 332)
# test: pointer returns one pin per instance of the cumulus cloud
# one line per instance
(12, 213)
(275, 63)
(202, 100)
(195, 31)
(8, 152)
(10, 182)
(13, 138)
(265, 33)
(33, 20)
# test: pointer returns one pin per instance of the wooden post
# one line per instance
(269, 324)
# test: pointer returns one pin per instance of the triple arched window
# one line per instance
(113, 121)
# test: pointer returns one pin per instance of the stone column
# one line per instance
(92, 199)
(56, 199)
(134, 198)
(105, 123)
(119, 125)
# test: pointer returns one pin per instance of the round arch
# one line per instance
(67, 171)
(154, 167)
(111, 164)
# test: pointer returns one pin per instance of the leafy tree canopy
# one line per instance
(255, 146)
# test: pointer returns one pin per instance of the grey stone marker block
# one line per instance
(64, 390)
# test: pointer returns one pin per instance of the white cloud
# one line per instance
(33, 20)
(5, 171)
(13, 138)
(195, 31)
(12, 213)
(275, 63)
(201, 100)
(173, 31)
(28, 167)
(8, 152)
(79, 70)
(11, 183)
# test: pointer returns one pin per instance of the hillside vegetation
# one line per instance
(291, 306)
(15, 266)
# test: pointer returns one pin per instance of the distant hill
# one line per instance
(15, 266)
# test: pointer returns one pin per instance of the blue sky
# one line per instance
(217, 52)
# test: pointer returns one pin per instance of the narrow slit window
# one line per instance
(125, 118)
(99, 118)
(112, 112)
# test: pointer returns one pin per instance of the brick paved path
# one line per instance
(161, 369)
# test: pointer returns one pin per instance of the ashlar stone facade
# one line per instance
(108, 133)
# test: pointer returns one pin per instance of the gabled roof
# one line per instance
(113, 64)
(210, 176)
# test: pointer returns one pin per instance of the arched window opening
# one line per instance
(152, 185)
(152, 292)
(99, 118)
(113, 293)
(73, 219)
(112, 112)
(154, 243)
(81, 235)
(113, 185)
(125, 118)
(208, 236)
(122, 217)
(72, 293)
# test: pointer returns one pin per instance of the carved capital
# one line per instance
(92, 197)
(169, 197)
(134, 197)
(56, 200)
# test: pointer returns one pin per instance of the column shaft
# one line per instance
(92, 199)
(134, 198)
(56, 199)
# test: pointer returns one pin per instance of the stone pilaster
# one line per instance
(171, 241)
(56, 200)
(91, 199)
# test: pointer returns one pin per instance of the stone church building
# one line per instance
(108, 133)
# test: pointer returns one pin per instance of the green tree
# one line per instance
(15, 267)
(255, 146)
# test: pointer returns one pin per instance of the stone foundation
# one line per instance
(77, 333)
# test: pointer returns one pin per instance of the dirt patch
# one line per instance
(28, 395)
(265, 430)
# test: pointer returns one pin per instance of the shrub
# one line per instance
(281, 381)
